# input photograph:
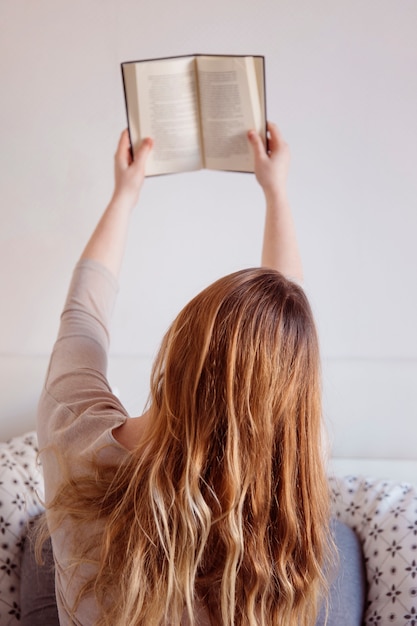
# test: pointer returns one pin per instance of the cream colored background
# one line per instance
(342, 84)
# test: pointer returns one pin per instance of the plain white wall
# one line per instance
(341, 83)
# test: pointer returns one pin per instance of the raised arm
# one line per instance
(77, 407)
(107, 243)
(280, 248)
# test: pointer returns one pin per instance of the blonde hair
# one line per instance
(224, 503)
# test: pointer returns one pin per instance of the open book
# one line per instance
(198, 110)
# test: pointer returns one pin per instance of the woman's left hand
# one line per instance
(129, 173)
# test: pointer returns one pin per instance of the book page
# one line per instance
(259, 65)
(131, 95)
(230, 106)
(167, 106)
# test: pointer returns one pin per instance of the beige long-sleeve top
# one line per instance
(77, 412)
(76, 416)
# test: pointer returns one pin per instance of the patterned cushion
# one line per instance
(384, 516)
(21, 488)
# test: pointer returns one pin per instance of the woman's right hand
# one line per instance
(280, 248)
(271, 168)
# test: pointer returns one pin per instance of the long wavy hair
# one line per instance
(223, 506)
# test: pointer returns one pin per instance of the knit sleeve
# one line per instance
(77, 410)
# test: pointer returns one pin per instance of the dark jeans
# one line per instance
(37, 587)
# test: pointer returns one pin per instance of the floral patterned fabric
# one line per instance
(21, 492)
(384, 516)
(382, 513)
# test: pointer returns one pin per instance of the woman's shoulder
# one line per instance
(130, 433)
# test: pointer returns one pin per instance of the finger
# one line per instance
(276, 140)
(123, 156)
(142, 152)
(257, 144)
(124, 141)
(144, 146)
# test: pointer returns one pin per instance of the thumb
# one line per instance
(142, 151)
(257, 144)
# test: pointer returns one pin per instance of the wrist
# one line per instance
(124, 200)
(275, 195)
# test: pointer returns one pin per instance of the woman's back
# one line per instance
(224, 498)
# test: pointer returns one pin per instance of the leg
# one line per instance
(347, 592)
(37, 587)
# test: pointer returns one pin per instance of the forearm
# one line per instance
(108, 241)
(280, 249)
